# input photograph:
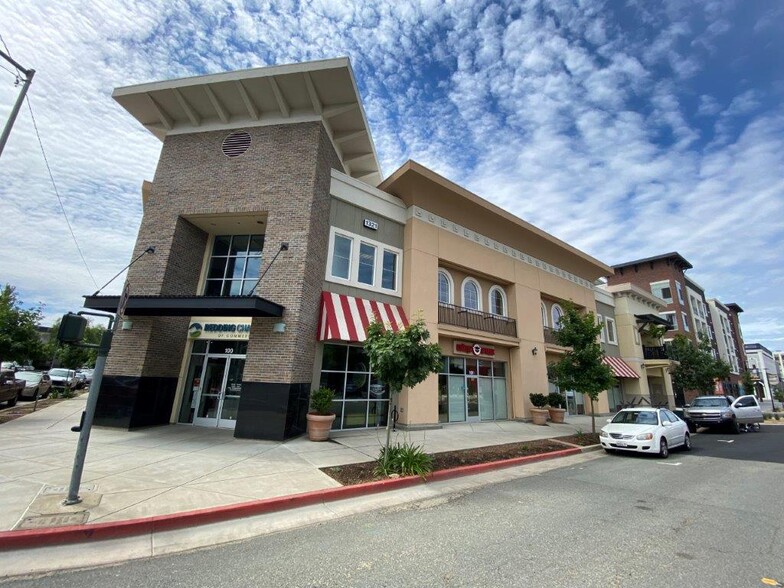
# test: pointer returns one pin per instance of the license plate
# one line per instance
(621, 444)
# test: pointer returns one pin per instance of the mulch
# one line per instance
(25, 407)
(581, 439)
(358, 473)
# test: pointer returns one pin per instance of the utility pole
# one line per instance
(28, 73)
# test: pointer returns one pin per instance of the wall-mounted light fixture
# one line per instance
(127, 325)
(279, 328)
(534, 351)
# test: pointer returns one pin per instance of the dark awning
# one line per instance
(187, 305)
(652, 319)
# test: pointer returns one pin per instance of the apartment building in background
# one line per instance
(763, 368)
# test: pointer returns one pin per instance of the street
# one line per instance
(710, 517)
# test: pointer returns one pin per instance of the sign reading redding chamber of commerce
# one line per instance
(477, 349)
(212, 328)
(371, 224)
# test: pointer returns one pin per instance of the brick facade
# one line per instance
(285, 175)
(645, 272)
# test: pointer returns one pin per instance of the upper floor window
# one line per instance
(600, 321)
(662, 290)
(544, 316)
(557, 314)
(444, 287)
(472, 297)
(610, 327)
(685, 319)
(497, 301)
(235, 265)
(362, 262)
(670, 318)
(679, 288)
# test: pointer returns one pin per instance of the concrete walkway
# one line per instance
(170, 469)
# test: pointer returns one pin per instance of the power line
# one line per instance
(57, 193)
(13, 73)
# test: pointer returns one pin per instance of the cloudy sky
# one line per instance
(628, 129)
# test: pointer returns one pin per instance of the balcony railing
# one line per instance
(657, 352)
(459, 316)
(549, 336)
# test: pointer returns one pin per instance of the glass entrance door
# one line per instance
(472, 399)
(219, 394)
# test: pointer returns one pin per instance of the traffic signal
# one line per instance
(71, 328)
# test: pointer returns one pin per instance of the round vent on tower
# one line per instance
(236, 144)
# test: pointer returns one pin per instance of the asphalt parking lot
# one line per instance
(766, 445)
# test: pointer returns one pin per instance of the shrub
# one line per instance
(776, 416)
(538, 400)
(321, 401)
(556, 400)
(404, 459)
(767, 415)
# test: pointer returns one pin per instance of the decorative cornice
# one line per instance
(478, 238)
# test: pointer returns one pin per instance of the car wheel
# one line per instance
(734, 427)
(12, 401)
(687, 442)
(664, 451)
(692, 427)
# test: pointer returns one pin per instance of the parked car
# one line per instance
(10, 387)
(645, 430)
(63, 378)
(36, 383)
(724, 412)
(88, 374)
(80, 380)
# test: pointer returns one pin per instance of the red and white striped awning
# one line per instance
(620, 368)
(346, 318)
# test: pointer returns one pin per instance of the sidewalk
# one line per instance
(171, 469)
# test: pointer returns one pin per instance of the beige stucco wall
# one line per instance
(428, 247)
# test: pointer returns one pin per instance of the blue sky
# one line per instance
(628, 129)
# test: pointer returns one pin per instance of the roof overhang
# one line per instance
(323, 91)
(188, 305)
(651, 319)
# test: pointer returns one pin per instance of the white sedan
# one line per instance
(645, 430)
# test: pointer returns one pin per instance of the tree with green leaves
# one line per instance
(71, 356)
(401, 359)
(19, 340)
(698, 370)
(581, 369)
(747, 382)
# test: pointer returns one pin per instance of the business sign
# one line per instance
(216, 328)
(475, 349)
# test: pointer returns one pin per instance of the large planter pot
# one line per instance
(539, 416)
(319, 426)
(557, 414)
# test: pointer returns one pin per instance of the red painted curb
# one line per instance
(114, 530)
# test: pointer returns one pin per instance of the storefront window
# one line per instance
(361, 400)
(471, 390)
(235, 265)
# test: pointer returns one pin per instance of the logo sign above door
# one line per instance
(475, 349)
(217, 328)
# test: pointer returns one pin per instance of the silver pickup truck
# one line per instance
(724, 411)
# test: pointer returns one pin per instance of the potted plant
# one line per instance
(539, 411)
(320, 416)
(556, 406)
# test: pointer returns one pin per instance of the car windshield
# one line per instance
(28, 376)
(636, 417)
(718, 401)
(59, 373)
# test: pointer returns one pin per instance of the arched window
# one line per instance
(497, 301)
(472, 294)
(444, 287)
(557, 314)
(545, 322)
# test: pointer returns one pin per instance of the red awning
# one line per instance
(620, 368)
(346, 318)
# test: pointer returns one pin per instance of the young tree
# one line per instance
(581, 369)
(698, 369)
(402, 358)
(746, 382)
(19, 339)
